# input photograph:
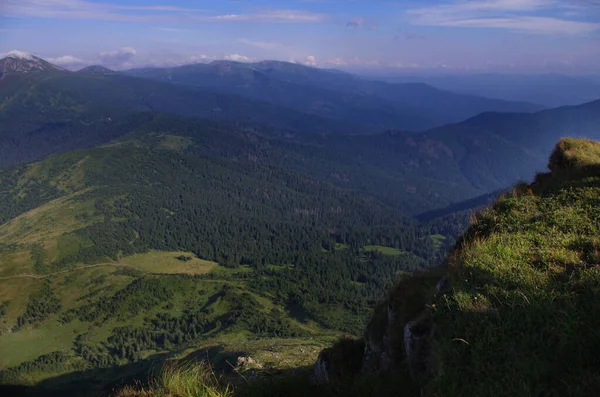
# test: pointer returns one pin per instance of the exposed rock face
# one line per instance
(343, 360)
(418, 345)
(398, 338)
(321, 374)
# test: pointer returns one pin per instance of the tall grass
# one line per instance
(187, 379)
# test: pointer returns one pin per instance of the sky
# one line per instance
(523, 36)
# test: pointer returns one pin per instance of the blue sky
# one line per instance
(400, 35)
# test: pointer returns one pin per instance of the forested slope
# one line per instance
(160, 243)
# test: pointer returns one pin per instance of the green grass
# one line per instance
(181, 380)
(16, 292)
(30, 343)
(48, 223)
(438, 241)
(176, 142)
(383, 250)
(167, 262)
(102, 283)
(521, 315)
(15, 261)
(526, 285)
(70, 244)
(573, 153)
(225, 271)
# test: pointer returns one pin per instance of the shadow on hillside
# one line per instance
(293, 382)
(101, 382)
(220, 360)
(297, 382)
(95, 382)
(525, 336)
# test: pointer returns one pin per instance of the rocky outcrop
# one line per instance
(321, 372)
(418, 347)
(340, 361)
(398, 338)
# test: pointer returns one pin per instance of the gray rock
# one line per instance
(418, 347)
(442, 286)
(321, 372)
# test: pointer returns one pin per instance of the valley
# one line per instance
(230, 210)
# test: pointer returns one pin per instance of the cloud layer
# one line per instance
(82, 9)
(515, 15)
(119, 58)
(457, 34)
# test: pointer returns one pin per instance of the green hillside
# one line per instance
(516, 307)
(165, 245)
(512, 313)
(516, 312)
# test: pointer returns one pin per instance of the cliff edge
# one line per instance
(514, 311)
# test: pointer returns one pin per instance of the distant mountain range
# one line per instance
(283, 94)
(46, 110)
(551, 90)
(333, 94)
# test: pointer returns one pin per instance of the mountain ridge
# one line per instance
(276, 82)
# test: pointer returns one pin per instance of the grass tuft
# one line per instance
(571, 153)
(183, 379)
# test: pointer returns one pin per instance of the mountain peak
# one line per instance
(19, 55)
(96, 69)
(23, 62)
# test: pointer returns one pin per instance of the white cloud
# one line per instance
(118, 58)
(85, 9)
(310, 61)
(202, 58)
(268, 15)
(403, 65)
(82, 9)
(260, 44)
(515, 15)
(538, 25)
(336, 62)
(237, 58)
(67, 60)
(16, 54)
